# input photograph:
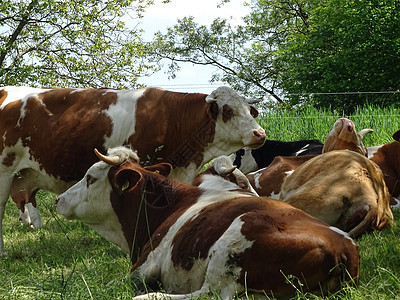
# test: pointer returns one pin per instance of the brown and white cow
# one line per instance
(268, 181)
(387, 157)
(47, 135)
(192, 240)
(342, 188)
(222, 174)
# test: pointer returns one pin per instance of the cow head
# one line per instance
(344, 136)
(117, 198)
(223, 175)
(235, 119)
(89, 199)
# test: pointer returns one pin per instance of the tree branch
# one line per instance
(17, 31)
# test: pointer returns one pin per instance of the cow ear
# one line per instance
(127, 179)
(163, 169)
(213, 110)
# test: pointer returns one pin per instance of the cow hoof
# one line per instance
(3, 254)
(36, 223)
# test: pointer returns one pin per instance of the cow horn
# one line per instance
(114, 160)
(210, 99)
(253, 101)
(226, 171)
(364, 132)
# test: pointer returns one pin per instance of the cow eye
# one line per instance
(90, 180)
(253, 112)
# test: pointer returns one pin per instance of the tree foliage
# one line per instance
(298, 51)
(350, 47)
(70, 43)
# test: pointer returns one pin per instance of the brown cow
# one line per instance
(387, 157)
(192, 240)
(342, 188)
(344, 136)
(268, 181)
(48, 134)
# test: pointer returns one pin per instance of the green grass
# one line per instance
(311, 123)
(68, 260)
(62, 260)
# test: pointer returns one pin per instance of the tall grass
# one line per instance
(310, 123)
(68, 260)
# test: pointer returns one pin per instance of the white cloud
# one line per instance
(160, 16)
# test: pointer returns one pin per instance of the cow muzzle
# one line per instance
(60, 206)
(258, 138)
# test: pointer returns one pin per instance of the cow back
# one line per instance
(339, 187)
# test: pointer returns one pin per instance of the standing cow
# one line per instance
(48, 135)
(192, 240)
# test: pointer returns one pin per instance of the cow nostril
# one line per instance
(259, 134)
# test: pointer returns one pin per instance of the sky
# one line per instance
(158, 17)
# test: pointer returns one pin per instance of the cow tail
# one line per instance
(367, 223)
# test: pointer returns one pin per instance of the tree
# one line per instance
(245, 67)
(297, 51)
(350, 47)
(70, 43)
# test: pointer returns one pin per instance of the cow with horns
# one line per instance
(192, 239)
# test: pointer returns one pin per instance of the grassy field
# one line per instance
(67, 260)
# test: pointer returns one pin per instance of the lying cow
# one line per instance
(342, 188)
(192, 240)
(344, 136)
(341, 137)
(223, 174)
(387, 157)
(48, 134)
(249, 160)
(268, 181)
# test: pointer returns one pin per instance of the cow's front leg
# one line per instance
(5, 184)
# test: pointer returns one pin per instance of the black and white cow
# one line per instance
(249, 160)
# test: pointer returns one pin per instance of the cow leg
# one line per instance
(166, 296)
(31, 216)
(2, 209)
(5, 184)
(227, 293)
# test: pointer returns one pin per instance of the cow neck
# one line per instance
(181, 128)
(151, 203)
